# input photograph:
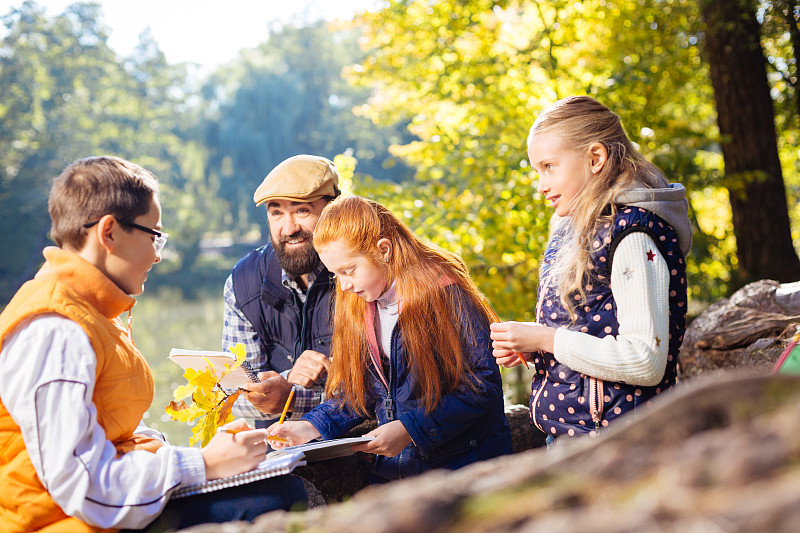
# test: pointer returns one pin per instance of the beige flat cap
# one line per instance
(301, 178)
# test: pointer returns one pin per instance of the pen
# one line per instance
(286, 407)
(497, 319)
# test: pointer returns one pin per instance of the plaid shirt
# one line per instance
(236, 328)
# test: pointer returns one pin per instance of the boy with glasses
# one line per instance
(73, 387)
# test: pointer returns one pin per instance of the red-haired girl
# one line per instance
(411, 347)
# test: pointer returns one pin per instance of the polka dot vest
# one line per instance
(561, 397)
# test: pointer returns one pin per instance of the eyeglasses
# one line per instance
(160, 237)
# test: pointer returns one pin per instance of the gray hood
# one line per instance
(669, 203)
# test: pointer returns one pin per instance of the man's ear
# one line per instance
(385, 249)
(597, 157)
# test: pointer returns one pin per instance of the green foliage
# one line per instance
(284, 98)
(66, 95)
(442, 89)
(781, 41)
(470, 81)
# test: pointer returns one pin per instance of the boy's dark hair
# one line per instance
(93, 187)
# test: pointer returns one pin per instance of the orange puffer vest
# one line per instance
(72, 287)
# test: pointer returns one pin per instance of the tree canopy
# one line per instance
(424, 104)
(470, 82)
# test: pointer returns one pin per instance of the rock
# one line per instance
(717, 453)
(524, 435)
(747, 331)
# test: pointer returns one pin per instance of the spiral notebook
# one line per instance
(196, 359)
(272, 466)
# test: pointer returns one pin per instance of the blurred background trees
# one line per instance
(431, 101)
(425, 105)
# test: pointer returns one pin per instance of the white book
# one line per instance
(194, 359)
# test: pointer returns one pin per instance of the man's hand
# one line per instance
(270, 395)
(309, 368)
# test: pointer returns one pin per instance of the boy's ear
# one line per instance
(105, 232)
(597, 157)
(385, 249)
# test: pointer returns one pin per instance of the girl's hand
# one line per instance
(523, 337)
(508, 358)
(294, 433)
(236, 448)
(390, 439)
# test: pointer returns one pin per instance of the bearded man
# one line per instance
(277, 299)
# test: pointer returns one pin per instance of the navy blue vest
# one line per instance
(286, 327)
(562, 400)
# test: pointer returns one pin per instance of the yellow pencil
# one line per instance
(231, 431)
(286, 407)
(497, 319)
(235, 431)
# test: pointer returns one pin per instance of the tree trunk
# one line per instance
(746, 122)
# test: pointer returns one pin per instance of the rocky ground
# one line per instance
(718, 453)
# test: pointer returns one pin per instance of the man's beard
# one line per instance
(300, 261)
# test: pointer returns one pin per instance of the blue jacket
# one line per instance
(286, 327)
(466, 426)
(562, 400)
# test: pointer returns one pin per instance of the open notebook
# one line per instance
(273, 465)
(323, 449)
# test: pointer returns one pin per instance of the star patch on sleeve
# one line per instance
(650, 255)
(628, 273)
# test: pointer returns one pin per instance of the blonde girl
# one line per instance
(605, 339)
(410, 347)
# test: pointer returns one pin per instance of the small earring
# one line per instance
(385, 259)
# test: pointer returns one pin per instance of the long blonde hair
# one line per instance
(581, 121)
(430, 318)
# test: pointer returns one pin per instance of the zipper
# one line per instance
(301, 343)
(535, 400)
(389, 403)
(596, 401)
(541, 355)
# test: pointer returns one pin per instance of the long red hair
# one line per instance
(430, 318)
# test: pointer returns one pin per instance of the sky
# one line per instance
(206, 32)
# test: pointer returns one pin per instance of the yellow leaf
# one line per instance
(181, 411)
(183, 391)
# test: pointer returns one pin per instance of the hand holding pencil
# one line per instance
(497, 320)
(512, 339)
(242, 450)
